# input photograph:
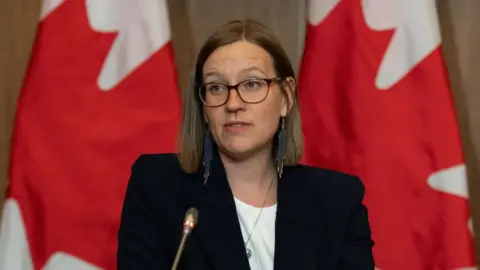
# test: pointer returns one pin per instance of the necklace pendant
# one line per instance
(249, 253)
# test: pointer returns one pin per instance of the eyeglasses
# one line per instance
(250, 91)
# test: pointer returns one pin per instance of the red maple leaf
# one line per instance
(392, 139)
(74, 144)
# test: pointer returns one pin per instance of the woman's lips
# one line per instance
(236, 126)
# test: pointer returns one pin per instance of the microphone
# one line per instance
(190, 221)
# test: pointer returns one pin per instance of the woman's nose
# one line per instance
(234, 101)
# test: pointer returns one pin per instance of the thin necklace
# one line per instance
(249, 251)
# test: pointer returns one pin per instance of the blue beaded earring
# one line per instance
(207, 155)
(281, 144)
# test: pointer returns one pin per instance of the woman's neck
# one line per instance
(251, 179)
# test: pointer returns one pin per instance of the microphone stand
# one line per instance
(191, 219)
(180, 250)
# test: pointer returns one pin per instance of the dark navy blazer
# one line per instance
(321, 221)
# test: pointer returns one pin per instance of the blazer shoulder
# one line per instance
(154, 171)
(158, 163)
(334, 183)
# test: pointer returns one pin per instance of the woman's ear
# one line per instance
(290, 86)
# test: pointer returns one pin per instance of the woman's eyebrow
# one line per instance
(211, 74)
(252, 69)
(217, 75)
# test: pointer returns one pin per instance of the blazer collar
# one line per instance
(299, 230)
(218, 225)
(220, 232)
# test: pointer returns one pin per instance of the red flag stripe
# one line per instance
(77, 133)
(365, 113)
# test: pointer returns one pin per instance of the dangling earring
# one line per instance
(281, 148)
(207, 155)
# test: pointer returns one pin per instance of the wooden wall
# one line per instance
(459, 22)
(192, 19)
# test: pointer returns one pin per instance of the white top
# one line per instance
(262, 240)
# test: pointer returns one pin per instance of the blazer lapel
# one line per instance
(218, 225)
(299, 228)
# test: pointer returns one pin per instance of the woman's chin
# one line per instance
(238, 152)
(242, 149)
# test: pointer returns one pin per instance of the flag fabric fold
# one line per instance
(375, 102)
(100, 90)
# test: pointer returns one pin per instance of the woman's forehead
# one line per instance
(239, 57)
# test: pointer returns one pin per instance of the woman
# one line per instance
(241, 142)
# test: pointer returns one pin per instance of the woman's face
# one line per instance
(240, 128)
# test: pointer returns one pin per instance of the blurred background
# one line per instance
(192, 20)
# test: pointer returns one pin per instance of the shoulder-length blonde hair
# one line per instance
(193, 126)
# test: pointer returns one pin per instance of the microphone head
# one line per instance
(191, 219)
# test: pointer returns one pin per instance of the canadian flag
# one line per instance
(101, 89)
(375, 102)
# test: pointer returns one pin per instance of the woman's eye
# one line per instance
(252, 84)
(215, 88)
